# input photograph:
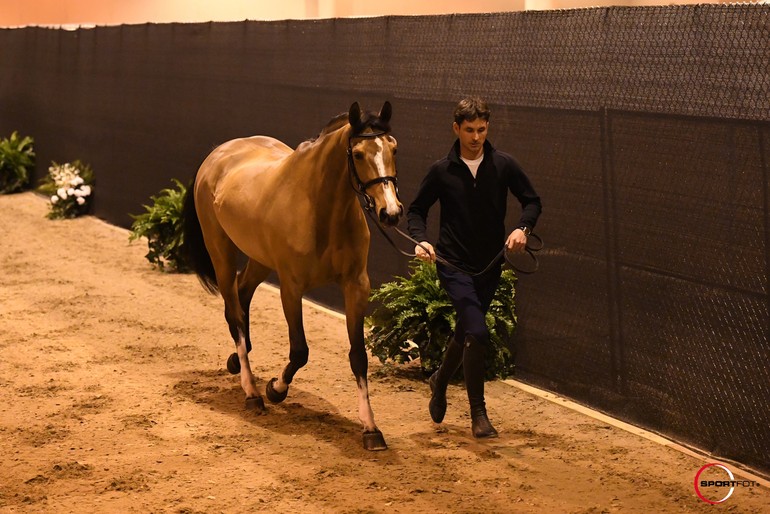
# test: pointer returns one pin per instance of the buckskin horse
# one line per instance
(294, 212)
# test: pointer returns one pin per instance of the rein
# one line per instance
(361, 188)
(503, 254)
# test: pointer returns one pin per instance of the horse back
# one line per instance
(256, 153)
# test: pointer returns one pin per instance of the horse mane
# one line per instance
(371, 120)
(368, 120)
(336, 123)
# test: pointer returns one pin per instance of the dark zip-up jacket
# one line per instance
(472, 223)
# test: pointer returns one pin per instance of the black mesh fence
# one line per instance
(645, 130)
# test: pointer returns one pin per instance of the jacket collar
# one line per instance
(454, 153)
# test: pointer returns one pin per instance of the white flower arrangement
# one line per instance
(69, 187)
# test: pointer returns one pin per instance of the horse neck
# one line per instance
(329, 174)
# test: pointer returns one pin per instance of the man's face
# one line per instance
(472, 135)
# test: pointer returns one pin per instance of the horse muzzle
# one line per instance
(391, 218)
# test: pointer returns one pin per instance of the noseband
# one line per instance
(362, 186)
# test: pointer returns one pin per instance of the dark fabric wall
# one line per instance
(645, 130)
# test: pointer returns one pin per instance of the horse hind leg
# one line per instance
(248, 280)
(291, 298)
(224, 257)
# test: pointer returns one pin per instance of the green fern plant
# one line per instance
(17, 158)
(414, 318)
(161, 224)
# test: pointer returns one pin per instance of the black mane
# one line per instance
(335, 123)
(368, 120)
(371, 120)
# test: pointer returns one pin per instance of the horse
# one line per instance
(298, 213)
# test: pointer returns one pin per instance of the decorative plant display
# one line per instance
(69, 187)
(414, 318)
(161, 224)
(17, 157)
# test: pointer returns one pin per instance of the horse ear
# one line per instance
(386, 112)
(354, 115)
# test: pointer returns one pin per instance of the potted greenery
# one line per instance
(161, 224)
(69, 187)
(414, 318)
(17, 158)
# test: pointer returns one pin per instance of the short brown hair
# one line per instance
(470, 108)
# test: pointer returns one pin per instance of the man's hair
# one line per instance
(470, 108)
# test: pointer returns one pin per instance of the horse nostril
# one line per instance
(383, 214)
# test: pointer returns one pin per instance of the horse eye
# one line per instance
(358, 155)
(395, 151)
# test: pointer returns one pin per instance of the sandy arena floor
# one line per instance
(114, 398)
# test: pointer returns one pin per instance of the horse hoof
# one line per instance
(256, 403)
(273, 395)
(374, 442)
(233, 364)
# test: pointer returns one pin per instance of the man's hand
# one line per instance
(422, 254)
(517, 241)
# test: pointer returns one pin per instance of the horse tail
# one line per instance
(193, 246)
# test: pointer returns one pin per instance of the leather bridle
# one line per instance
(361, 187)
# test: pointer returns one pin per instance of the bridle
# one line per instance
(361, 187)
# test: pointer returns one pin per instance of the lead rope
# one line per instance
(490, 266)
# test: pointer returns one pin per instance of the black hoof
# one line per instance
(374, 442)
(273, 395)
(256, 403)
(233, 364)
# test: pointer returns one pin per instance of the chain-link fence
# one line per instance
(645, 130)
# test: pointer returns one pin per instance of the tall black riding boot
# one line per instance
(453, 356)
(473, 368)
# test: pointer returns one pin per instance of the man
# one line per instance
(471, 185)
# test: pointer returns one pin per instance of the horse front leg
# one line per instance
(356, 299)
(291, 299)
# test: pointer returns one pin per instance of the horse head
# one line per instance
(372, 161)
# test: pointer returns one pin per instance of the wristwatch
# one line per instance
(527, 231)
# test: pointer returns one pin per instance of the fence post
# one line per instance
(611, 251)
(761, 129)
